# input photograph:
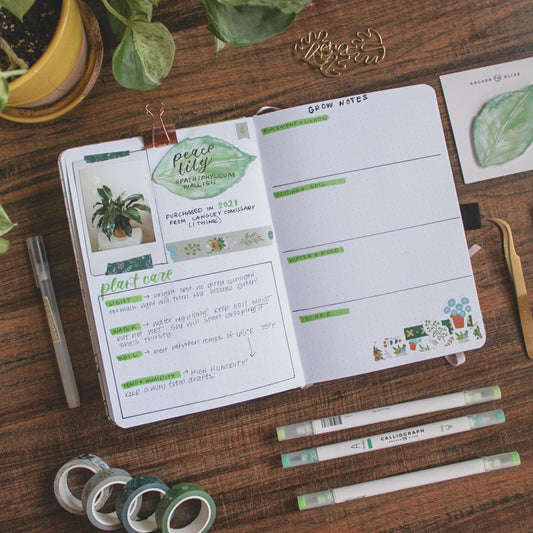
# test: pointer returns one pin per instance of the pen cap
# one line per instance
(489, 418)
(486, 394)
(504, 460)
(301, 457)
(38, 258)
(316, 499)
(293, 431)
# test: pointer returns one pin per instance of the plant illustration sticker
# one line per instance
(203, 167)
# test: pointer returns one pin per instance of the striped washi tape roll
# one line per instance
(130, 496)
(176, 496)
(91, 496)
(63, 494)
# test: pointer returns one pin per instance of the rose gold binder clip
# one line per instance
(158, 134)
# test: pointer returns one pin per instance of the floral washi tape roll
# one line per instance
(131, 496)
(62, 491)
(92, 494)
(176, 496)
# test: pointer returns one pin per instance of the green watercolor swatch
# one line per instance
(123, 301)
(129, 356)
(294, 124)
(151, 379)
(310, 187)
(324, 314)
(313, 255)
(125, 329)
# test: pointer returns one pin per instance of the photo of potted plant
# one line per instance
(114, 217)
(50, 56)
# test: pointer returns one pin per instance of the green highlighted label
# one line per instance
(294, 124)
(312, 255)
(129, 356)
(125, 329)
(325, 314)
(123, 301)
(151, 379)
(369, 443)
(310, 187)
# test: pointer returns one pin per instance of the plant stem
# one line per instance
(13, 58)
(114, 12)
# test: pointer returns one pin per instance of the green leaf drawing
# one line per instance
(203, 167)
(242, 22)
(145, 55)
(503, 130)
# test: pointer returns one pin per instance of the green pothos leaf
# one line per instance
(247, 23)
(287, 6)
(17, 7)
(203, 167)
(145, 55)
(4, 93)
(5, 226)
(503, 130)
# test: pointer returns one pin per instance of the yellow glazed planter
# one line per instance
(64, 74)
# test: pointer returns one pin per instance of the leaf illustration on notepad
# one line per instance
(503, 130)
(203, 167)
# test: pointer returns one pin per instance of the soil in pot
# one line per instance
(30, 38)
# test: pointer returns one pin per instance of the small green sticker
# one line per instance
(294, 124)
(313, 255)
(123, 301)
(369, 443)
(324, 314)
(125, 329)
(129, 356)
(310, 187)
(151, 379)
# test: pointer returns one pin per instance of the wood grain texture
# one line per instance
(233, 452)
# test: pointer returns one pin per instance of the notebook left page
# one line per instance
(186, 305)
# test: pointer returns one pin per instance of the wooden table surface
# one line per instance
(233, 452)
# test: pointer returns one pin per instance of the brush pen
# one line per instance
(388, 412)
(41, 272)
(409, 480)
(393, 438)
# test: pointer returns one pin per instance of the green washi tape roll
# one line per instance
(176, 496)
(91, 495)
(63, 494)
(131, 496)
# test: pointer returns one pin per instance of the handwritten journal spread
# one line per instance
(261, 254)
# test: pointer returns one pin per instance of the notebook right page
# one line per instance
(369, 228)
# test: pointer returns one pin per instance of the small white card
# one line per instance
(466, 94)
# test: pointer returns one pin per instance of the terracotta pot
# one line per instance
(65, 72)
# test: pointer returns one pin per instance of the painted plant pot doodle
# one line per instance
(455, 327)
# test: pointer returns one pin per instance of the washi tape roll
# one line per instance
(62, 491)
(132, 495)
(178, 495)
(92, 494)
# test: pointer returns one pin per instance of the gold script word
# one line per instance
(333, 59)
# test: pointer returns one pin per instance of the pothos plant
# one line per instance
(146, 49)
(115, 215)
(17, 66)
(5, 226)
